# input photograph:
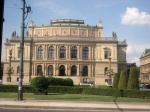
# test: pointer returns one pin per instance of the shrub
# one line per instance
(60, 82)
(133, 82)
(8, 88)
(40, 84)
(65, 89)
(68, 82)
(116, 81)
(122, 80)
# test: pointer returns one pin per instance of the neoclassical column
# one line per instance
(14, 52)
(35, 52)
(55, 52)
(32, 70)
(46, 70)
(68, 70)
(27, 54)
(91, 70)
(90, 53)
(56, 69)
(99, 52)
(78, 52)
(46, 50)
(78, 70)
(69, 51)
(35, 65)
(115, 53)
(80, 55)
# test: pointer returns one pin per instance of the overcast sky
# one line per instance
(130, 19)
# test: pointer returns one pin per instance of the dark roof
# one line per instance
(146, 52)
(68, 21)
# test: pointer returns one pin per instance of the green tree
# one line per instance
(133, 82)
(123, 80)
(40, 84)
(116, 81)
(138, 71)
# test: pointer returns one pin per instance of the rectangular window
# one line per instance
(106, 54)
(18, 53)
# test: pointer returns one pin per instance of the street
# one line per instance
(58, 110)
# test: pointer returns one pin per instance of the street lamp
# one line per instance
(28, 9)
(9, 70)
(110, 72)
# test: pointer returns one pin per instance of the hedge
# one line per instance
(133, 82)
(82, 90)
(122, 80)
(60, 82)
(116, 81)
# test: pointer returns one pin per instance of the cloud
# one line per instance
(133, 16)
(134, 52)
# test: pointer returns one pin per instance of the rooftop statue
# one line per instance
(14, 34)
(114, 34)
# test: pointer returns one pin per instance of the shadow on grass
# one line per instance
(117, 104)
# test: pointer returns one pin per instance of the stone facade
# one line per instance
(66, 49)
(145, 67)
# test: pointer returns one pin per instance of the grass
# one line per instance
(72, 97)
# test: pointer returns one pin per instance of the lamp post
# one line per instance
(110, 72)
(20, 94)
(9, 70)
(28, 9)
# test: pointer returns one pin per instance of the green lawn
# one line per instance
(73, 97)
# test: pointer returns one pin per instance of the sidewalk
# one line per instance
(73, 105)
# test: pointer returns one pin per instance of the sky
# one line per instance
(130, 19)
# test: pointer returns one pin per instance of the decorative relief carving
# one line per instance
(64, 31)
(74, 32)
(46, 32)
(82, 32)
(39, 32)
(55, 31)
(91, 33)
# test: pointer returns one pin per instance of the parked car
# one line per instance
(91, 84)
(143, 85)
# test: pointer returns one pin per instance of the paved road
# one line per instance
(58, 110)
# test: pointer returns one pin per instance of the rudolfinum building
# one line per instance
(65, 48)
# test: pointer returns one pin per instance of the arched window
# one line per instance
(85, 71)
(39, 70)
(40, 52)
(50, 70)
(73, 70)
(105, 70)
(17, 69)
(62, 52)
(74, 52)
(85, 53)
(62, 70)
(51, 52)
